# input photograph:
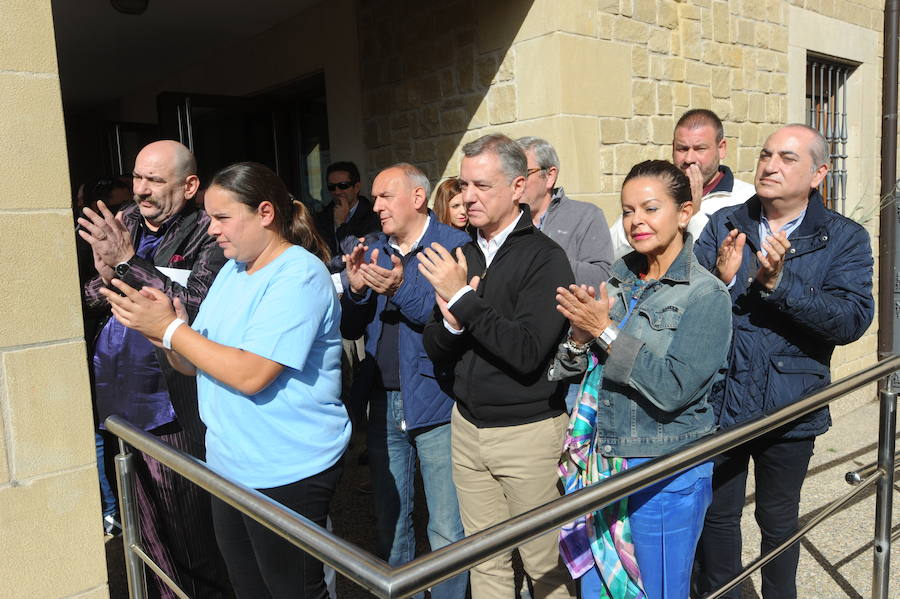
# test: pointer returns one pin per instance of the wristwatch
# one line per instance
(122, 269)
(607, 337)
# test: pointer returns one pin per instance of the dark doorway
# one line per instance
(285, 128)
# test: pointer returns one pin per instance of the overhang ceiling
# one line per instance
(104, 54)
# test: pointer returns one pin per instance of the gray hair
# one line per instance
(819, 147)
(512, 158)
(414, 175)
(544, 153)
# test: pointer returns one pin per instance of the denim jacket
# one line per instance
(660, 369)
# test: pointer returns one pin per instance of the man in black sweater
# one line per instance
(498, 328)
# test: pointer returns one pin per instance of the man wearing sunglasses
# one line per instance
(349, 214)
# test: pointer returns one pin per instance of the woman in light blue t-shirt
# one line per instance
(265, 348)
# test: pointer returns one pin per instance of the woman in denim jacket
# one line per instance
(649, 350)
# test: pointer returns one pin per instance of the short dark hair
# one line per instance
(699, 117)
(102, 188)
(676, 182)
(344, 166)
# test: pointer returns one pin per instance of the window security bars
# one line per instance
(826, 111)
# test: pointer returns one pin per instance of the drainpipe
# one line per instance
(888, 283)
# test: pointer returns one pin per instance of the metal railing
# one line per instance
(378, 577)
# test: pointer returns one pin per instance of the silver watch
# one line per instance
(607, 337)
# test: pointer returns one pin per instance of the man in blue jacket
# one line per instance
(800, 278)
(409, 413)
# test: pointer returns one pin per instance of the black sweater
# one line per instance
(512, 330)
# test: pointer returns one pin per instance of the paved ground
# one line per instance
(836, 557)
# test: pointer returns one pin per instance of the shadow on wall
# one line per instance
(430, 71)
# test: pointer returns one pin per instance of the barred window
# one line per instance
(826, 111)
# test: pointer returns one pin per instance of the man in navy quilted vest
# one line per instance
(409, 409)
(800, 278)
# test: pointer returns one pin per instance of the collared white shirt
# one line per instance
(489, 248)
(392, 241)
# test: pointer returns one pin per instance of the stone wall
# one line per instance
(50, 515)
(605, 81)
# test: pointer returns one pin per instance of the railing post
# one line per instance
(131, 528)
(887, 429)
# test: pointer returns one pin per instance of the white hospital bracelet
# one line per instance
(170, 330)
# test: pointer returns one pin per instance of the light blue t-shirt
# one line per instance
(297, 426)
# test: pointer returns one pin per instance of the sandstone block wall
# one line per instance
(49, 500)
(605, 81)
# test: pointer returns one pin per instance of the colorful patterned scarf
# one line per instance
(601, 538)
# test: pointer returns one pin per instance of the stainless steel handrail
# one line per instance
(855, 477)
(427, 570)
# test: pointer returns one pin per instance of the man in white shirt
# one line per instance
(698, 147)
(497, 327)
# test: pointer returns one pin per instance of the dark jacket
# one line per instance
(512, 328)
(185, 245)
(782, 341)
(424, 402)
(363, 222)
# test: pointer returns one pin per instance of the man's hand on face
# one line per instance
(445, 274)
(341, 210)
(772, 263)
(107, 234)
(731, 254)
(382, 280)
(696, 178)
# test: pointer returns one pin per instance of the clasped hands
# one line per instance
(731, 254)
(362, 274)
(588, 317)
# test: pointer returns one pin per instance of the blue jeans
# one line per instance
(666, 520)
(392, 458)
(107, 497)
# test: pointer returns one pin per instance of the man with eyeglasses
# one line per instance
(580, 228)
(350, 214)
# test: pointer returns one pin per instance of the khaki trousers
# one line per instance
(501, 472)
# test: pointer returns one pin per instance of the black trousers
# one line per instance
(779, 467)
(262, 565)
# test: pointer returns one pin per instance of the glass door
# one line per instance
(286, 129)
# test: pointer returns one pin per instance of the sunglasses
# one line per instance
(342, 185)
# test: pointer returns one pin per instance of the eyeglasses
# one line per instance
(532, 171)
(342, 185)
